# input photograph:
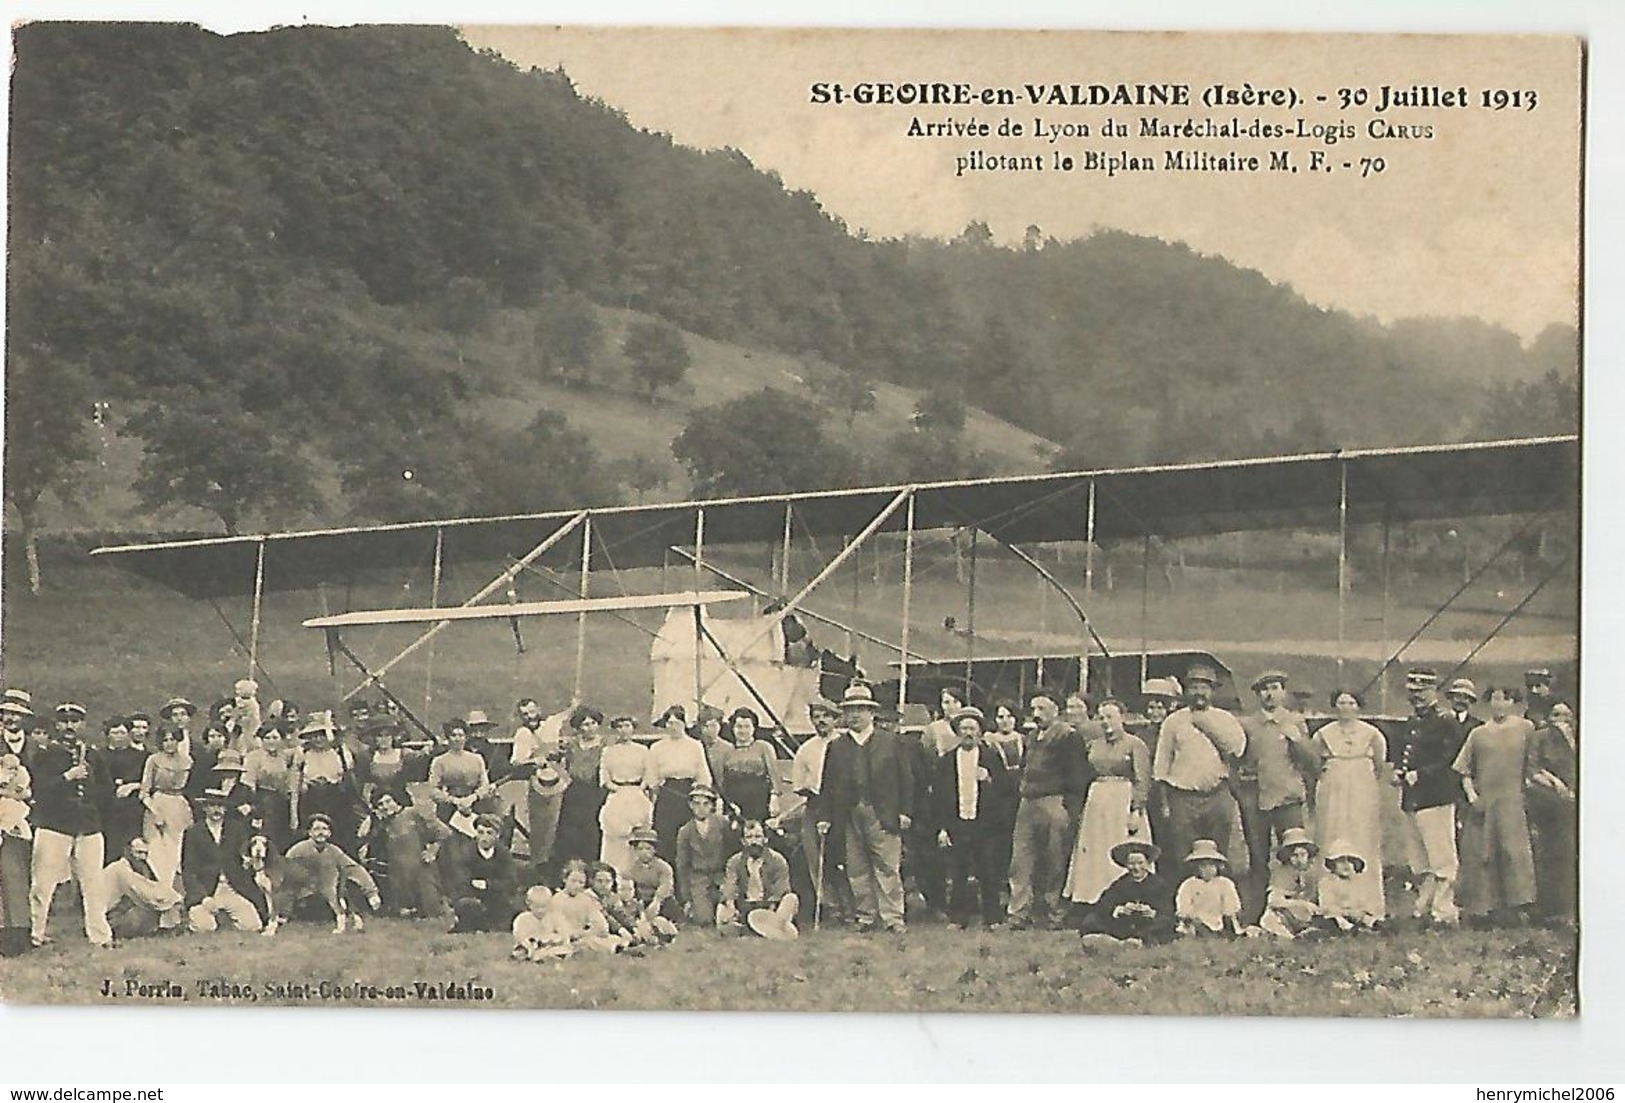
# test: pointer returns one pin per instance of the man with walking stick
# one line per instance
(817, 817)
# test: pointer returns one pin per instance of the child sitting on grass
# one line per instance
(625, 920)
(531, 926)
(1207, 902)
(1343, 901)
(1290, 909)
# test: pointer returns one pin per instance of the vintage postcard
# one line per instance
(538, 517)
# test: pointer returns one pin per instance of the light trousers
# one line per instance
(227, 901)
(874, 859)
(57, 858)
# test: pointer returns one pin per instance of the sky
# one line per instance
(1481, 219)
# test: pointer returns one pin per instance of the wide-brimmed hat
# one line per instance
(1421, 678)
(1122, 850)
(477, 719)
(1202, 672)
(245, 687)
(1344, 849)
(859, 696)
(823, 705)
(230, 761)
(220, 796)
(1295, 836)
(968, 710)
(1462, 687)
(1206, 850)
(1161, 687)
(17, 702)
(771, 926)
(175, 703)
(1267, 677)
(643, 835)
(70, 710)
(318, 722)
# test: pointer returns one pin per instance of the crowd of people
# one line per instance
(1176, 819)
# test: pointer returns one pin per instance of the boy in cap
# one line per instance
(702, 855)
(1271, 780)
(1429, 791)
(653, 883)
(71, 787)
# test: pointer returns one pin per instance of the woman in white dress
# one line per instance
(1115, 809)
(1348, 798)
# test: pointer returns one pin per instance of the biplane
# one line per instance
(761, 660)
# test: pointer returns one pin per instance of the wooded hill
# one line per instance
(294, 266)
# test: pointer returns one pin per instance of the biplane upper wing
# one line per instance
(1287, 492)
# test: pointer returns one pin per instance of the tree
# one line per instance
(47, 438)
(205, 450)
(549, 465)
(846, 393)
(643, 473)
(657, 355)
(765, 442)
(569, 338)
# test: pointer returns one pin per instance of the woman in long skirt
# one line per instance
(1553, 779)
(1348, 798)
(168, 813)
(674, 765)
(1115, 809)
(580, 835)
(1498, 867)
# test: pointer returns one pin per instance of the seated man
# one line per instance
(1138, 907)
(316, 870)
(480, 879)
(138, 903)
(214, 877)
(756, 890)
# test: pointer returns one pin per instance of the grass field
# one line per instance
(932, 968)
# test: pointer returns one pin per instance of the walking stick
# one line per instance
(818, 882)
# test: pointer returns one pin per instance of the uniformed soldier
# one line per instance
(1429, 792)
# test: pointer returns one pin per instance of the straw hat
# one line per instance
(1344, 849)
(17, 702)
(174, 704)
(1206, 850)
(318, 722)
(1161, 687)
(230, 761)
(1122, 850)
(1462, 687)
(768, 923)
(1295, 836)
(477, 719)
(969, 710)
(823, 705)
(859, 696)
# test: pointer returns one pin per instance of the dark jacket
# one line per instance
(204, 861)
(891, 776)
(69, 807)
(461, 865)
(945, 787)
(1429, 745)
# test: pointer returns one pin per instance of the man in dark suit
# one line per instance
(480, 879)
(71, 788)
(214, 878)
(868, 772)
(969, 831)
